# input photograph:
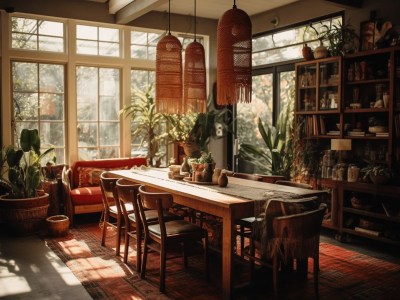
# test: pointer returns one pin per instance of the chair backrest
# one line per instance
(127, 192)
(297, 235)
(283, 207)
(107, 185)
(157, 201)
(294, 184)
(271, 178)
(248, 176)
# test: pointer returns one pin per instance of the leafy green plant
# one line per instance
(342, 39)
(148, 123)
(374, 170)
(277, 158)
(206, 158)
(23, 165)
(198, 128)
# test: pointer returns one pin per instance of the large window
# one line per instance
(33, 34)
(143, 44)
(95, 40)
(274, 55)
(98, 103)
(38, 102)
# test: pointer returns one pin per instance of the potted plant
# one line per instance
(196, 129)
(377, 173)
(277, 156)
(24, 207)
(149, 125)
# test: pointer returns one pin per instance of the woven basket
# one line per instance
(24, 216)
(57, 225)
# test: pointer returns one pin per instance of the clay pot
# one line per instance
(307, 52)
(320, 52)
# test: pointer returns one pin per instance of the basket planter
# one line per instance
(57, 225)
(24, 216)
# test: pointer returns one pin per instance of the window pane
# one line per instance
(23, 25)
(25, 106)
(86, 32)
(87, 134)
(109, 152)
(88, 153)
(60, 154)
(138, 38)
(51, 106)
(108, 49)
(51, 78)
(139, 52)
(86, 47)
(51, 28)
(52, 134)
(109, 134)
(153, 38)
(87, 93)
(23, 125)
(108, 34)
(151, 53)
(109, 82)
(24, 41)
(261, 106)
(24, 76)
(109, 107)
(286, 88)
(48, 43)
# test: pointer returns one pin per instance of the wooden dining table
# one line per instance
(213, 200)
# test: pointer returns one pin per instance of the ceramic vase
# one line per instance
(223, 180)
(217, 173)
(307, 52)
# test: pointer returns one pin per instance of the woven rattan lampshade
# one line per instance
(194, 86)
(169, 75)
(234, 57)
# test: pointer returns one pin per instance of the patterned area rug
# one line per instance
(344, 274)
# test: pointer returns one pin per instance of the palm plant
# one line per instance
(149, 123)
(277, 158)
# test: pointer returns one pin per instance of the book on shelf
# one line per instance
(356, 133)
(333, 132)
(382, 134)
(367, 231)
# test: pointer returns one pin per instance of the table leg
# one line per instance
(227, 256)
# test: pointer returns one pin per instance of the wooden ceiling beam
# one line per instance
(136, 9)
(352, 3)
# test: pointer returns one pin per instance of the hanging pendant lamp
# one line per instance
(194, 87)
(169, 73)
(234, 57)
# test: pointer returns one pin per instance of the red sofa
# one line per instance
(81, 183)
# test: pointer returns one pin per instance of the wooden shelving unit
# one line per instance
(363, 79)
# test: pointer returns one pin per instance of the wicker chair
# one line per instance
(288, 237)
(164, 235)
(128, 194)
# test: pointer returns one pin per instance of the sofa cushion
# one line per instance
(102, 164)
(89, 177)
(86, 195)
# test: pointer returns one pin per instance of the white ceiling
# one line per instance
(128, 10)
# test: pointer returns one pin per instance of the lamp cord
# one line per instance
(194, 20)
(169, 17)
(234, 3)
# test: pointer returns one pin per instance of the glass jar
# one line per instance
(334, 172)
(341, 171)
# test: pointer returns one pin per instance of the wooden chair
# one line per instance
(164, 235)
(288, 237)
(111, 208)
(128, 194)
(248, 176)
(294, 184)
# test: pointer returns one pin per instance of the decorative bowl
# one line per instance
(377, 129)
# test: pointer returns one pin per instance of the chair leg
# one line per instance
(163, 258)
(275, 274)
(126, 246)
(138, 249)
(316, 276)
(241, 241)
(206, 255)
(105, 221)
(144, 261)
(185, 258)
(118, 236)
